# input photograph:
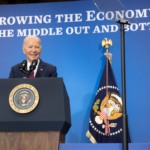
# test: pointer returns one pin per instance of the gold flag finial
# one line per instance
(106, 43)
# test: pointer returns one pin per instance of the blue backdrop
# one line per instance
(71, 34)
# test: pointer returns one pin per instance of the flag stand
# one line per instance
(122, 37)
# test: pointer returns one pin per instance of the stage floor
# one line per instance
(108, 146)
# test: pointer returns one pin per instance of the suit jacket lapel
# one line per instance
(40, 69)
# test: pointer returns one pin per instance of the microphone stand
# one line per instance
(31, 68)
(122, 36)
(27, 72)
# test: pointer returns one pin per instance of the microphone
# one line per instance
(31, 68)
(23, 67)
(33, 65)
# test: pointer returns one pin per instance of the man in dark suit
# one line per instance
(32, 49)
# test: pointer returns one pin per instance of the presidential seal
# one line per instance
(23, 98)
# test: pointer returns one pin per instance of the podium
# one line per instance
(42, 128)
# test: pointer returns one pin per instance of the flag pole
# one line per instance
(123, 69)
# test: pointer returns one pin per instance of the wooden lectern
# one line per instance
(44, 127)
